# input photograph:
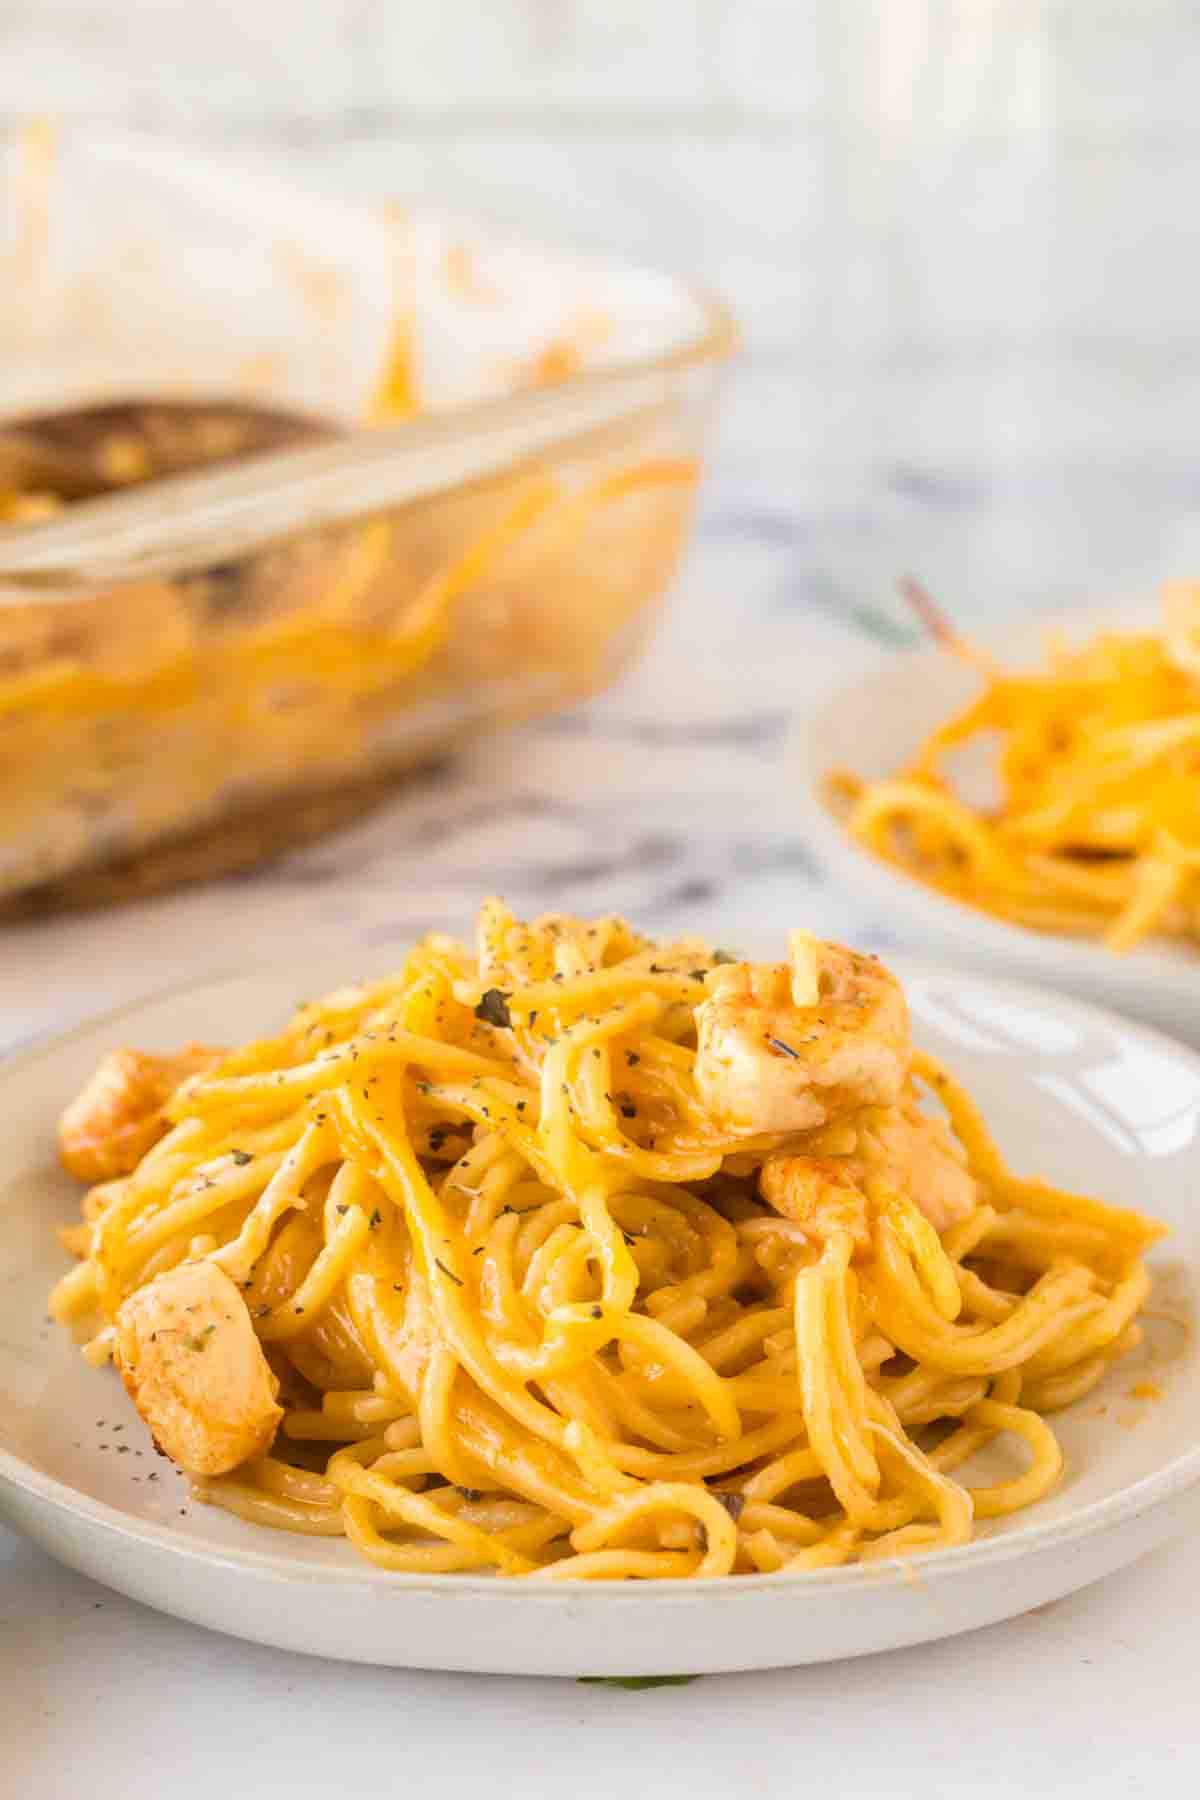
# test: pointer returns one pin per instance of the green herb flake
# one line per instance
(493, 1009)
(241, 1157)
(448, 1273)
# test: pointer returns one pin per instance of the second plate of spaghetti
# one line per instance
(1028, 803)
(732, 1311)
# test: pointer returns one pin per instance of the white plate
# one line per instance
(873, 725)
(1084, 1098)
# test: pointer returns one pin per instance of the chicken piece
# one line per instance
(108, 1128)
(195, 1370)
(903, 1148)
(819, 1194)
(917, 1155)
(786, 1047)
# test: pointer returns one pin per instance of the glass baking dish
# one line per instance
(178, 715)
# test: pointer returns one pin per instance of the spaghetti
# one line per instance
(1098, 827)
(569, 1255)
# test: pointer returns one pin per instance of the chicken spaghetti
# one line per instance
(570, 1255)
(1098, 827)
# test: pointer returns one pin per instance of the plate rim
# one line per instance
(1157, 1488)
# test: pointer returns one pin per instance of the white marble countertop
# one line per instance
(1092, 1698)
(669, 799)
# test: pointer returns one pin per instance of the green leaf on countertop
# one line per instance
(636, 1682)
(876, 623)
(881, 628)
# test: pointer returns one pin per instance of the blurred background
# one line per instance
(959, 233)
(959, 237)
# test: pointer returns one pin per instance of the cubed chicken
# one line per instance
(784, 1048)
(926, 1163)
(189, 1357)
(903, 1149)
(820, 1195)
(110, 1125)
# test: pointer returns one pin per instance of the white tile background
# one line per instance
(960, 233)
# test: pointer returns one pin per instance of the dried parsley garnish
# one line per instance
(493, 1009)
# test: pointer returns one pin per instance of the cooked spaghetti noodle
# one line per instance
(1098, 827)
(570, 1255)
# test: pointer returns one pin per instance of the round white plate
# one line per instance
(873, 725)
(1084, 1098)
